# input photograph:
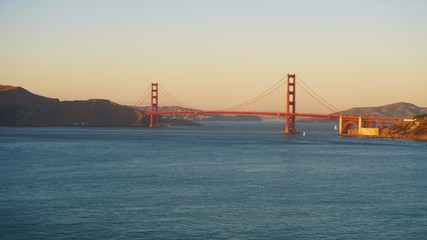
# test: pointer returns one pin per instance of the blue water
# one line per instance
(220, 181)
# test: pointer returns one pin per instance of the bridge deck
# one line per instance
(274, 114)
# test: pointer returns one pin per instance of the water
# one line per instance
(221, 181)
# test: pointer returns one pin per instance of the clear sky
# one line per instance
(217, 53)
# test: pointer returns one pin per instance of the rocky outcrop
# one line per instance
(414, 130)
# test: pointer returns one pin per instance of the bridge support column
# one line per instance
(340, 127)
(290, 105)
(154, 107)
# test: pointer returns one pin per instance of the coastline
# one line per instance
(413, 130)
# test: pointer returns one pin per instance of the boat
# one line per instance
(335, 128)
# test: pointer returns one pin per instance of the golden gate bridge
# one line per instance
(279, 100)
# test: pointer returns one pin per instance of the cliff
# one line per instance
(415, 130)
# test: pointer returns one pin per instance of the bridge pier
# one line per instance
(350, 125)
(363, 126)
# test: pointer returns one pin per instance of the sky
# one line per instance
(215, 54)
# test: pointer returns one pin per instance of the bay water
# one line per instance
(225, 180)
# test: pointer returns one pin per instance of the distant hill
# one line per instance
(395, 110)
(19, 107)
(207, 117)
(240, 118)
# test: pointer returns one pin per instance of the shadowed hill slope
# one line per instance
(19, 107)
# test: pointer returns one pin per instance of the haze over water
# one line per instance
(220, 181)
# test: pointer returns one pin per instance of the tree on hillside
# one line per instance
(422, 116)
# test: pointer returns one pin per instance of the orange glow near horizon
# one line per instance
(217, 54)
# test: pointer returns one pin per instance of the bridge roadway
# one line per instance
(275, 114)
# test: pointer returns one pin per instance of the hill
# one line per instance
(395, 110)
(19, 107)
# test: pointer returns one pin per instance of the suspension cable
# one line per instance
(271, 90)
(318, 98)
(176, 100)
(143, 97)
(264, 96)
(258, 97)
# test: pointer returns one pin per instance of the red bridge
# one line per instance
(280, 99)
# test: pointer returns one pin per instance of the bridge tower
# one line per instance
(290, 105)
(154, 107)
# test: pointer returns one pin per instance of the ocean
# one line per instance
(225, 180)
